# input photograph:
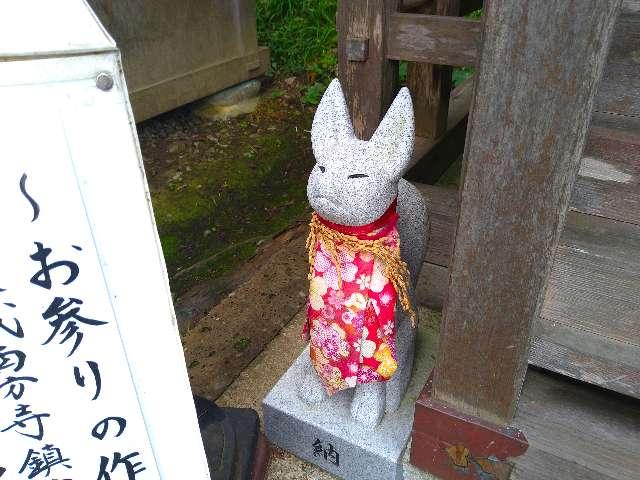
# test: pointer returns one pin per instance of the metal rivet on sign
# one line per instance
(104, 81)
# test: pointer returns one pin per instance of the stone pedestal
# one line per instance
(325, 435)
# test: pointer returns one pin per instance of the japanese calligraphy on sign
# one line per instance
(93, 383)
(68, 407)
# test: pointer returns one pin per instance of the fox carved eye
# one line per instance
(358, 175)
(322, 169)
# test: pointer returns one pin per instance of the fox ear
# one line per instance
(393, 139)
(331, 124)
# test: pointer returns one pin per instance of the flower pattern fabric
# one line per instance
(351, 324)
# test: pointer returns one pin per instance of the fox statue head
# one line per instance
(354, 181)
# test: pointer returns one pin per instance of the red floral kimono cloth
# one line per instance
(356, 277)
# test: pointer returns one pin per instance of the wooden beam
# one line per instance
(432, 158)
(609, 181)
(587, 328)
(607, 185)
(574, 431)
(620, 86)
(454, 41)
(585, 356)
(518, 178)
(431, 84)
(434, 39)
(430, 87)
(369, 83)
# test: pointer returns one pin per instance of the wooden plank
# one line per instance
(588, 328)
(370, 85)
(434, 39)
(576, 431)
(620, 88)
(432, 286)
(431, 84)
(609, 180)
(519, 174)
(595, 285)
(432, 158)
(587, 357)
(632, 6)
(442, 206)
(455, 41)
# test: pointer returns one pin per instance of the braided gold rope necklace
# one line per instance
(395, 268)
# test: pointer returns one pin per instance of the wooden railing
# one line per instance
(521, 160)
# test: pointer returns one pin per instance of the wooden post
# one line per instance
(369, 80)
(540, 64)
(529, 120)
(430, 85)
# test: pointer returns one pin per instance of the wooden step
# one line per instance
(608, 184)
(576, 431)
(589, 325)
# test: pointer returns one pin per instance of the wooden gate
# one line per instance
(545, 266)
(589, 323)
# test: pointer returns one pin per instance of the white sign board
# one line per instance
(92, 377)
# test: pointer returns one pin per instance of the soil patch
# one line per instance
(220, 189)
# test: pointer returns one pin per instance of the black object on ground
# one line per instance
(230, 437)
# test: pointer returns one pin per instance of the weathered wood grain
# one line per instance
(586, 357)
(432, 158)
(561, 348)
(632, 6)
(620, 87)
(595, 285)
(432, 286)
(430, 87)
(442, 206)
(455, 41)
(431, 84)
(589, 326)
(576, 431)
(536, 92)
(434, 39)
(370, 85)
(609, 180)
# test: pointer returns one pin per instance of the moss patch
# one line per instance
(219, 188)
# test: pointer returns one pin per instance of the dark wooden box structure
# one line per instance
(545, 264)
(175, 52)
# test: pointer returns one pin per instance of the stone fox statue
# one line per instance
(366, 247)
